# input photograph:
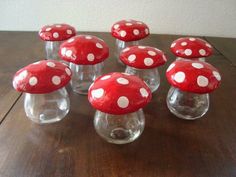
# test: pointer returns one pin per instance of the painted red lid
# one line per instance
(119, 93)
(57, 32)
(84, 50)
(129, 30)
(190, 47)
(193, 76)
(142, 57)
(44, 76)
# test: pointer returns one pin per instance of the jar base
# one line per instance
(82, 89)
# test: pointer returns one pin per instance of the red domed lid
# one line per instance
(190, 47)
(143, 57)
(119, 93)
(129, 30)
(42, 77)
(84, 50)
(57, 32)
(193, 76)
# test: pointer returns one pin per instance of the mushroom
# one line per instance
(53, 35)
(86, 54)
(43, 82)
(119, 99)
(191, 48)
(128, 33)
(143, 62)
(191, 81)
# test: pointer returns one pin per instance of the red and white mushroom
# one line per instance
(193, 76)
(84, 50)
(190, 47)
(57, 32)
(129, 30)
(44, 76)
(119, 93)
(143, 57)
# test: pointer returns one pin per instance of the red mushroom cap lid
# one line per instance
(143, 57)
(84, 50)
(119, 93)
(44, 76)
(57, 32)
(190, 47)
(129, 30)
(193, 76)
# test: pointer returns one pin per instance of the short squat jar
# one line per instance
(86, 55)
(43, 83)
(54, 35)
(191, 48)
(143, 62)
(119, 99)
(128, 33)
(191, 81)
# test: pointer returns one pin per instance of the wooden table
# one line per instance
(168, 147)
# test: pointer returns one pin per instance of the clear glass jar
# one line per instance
(47, 108)
(197, 59)
(150, 76)
(83, 76)
(119, 129)
(52, 48)
(187, 105)
(120, 45)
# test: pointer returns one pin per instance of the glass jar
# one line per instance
(47, 108)
(196, 59)
(52, 48)
(119, 129)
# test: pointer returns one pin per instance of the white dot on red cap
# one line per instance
(208, 45)
(22, 75)
(146, 31)
(152, 53)
(122, 81)
(192, 39)
(63, 51)
(183, 43)
(136, 32)
(122, 33)
(123, 102)
(48, 29)
(188, 52)
(148, 61)
(68, 72)
(97, 93)
(116, 26)
(90, 57)
(144, 92)
(33, 81)
(68, 53)
(51, 64)
(55, 35)
(202, 52)
(217, 75)
(106, 77)
(126, 49)
(140, 23)
(179, 77)
(172, 45)
(88, 37)
(35, 63)
(56, 80)
(202, 81)
(69, 31)
(98, 45)
(128, 24)
(141, 47)
(197, 65)
(58, 26)
(172, 65)
(70, 40)
(132, 57)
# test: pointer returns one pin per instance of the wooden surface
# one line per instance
(168, 147)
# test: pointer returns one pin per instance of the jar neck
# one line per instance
(193, 59)
(52, 48)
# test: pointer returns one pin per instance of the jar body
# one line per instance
(187, 105)
(196, 59)
(150, 76)
(47, 108)
(52, 48)
(83, 76)
(120, 45)
(119, 129)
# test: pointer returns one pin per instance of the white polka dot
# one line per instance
(202, 81)
(140, 23)
(132, 57)
(122, 81)
(152, 53)
(123, 102)
(56, 80)
(148, 61)
(126, 49)
(141, 47)
(179, 77)
(90, 57)
(192, 39)
(97, 93)
(63, 51)
(172, 65)
(106, 77)
(88, 37)
(136, 32)
(51, 64)
(70, 40)
(58, 26)
(36, 63)
(128, 24)
(197, 65)
(22, 75)
(188, 52)
(122, 33)
(68, 72)
(68, 53)
(98, 45)
(55, 35)
(116, 26)
(147, 31)
(202, 52)
(48, 29)
(33, 81)
(208, 45)
(183, 43)
(172, 45)
(127, 74)
(69, 31)
(144, 92)
(217, 75)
